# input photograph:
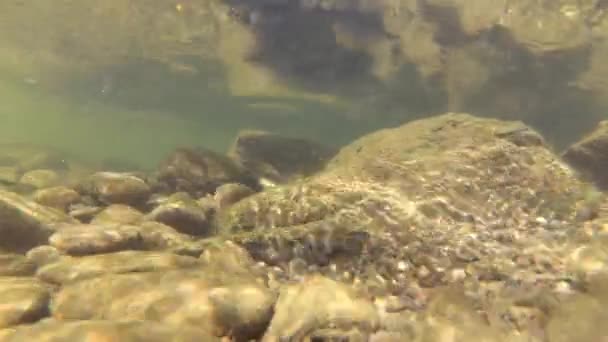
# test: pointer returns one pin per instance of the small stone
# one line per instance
(59, 197)
(16, 265)
(457, 275)
(118, 213)
(43, 255)
(84, 213)
(24, 300)
(183, 213)
(83, 239)
(26, 224)
(200, 171)
(118, 188)
(228, 194)
(40, 178)
(320, 303)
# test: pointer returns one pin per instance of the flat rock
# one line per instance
(83, 239)
(25, 224)
(24, 300)
(118, 213)
(213, 300)
(102, 330)
(68, 269)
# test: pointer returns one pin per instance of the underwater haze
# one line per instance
(303, 170)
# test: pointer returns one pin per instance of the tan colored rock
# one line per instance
(104, 330)
(24, 300)
(84, 239)
(199, 172)
(183, 213)
(590, 155)
(16, 265)
(228, 194)
(118, 188)
(319, 303)
(66, 269)
(25, 224)
(40, 178)
(118, 213)
(219, 302)
(59, 197)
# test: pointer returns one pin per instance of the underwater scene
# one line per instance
(304, 170)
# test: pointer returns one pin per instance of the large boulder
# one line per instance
(429, 203)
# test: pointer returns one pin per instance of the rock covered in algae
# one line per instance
(278, 158)
(25, 224)
(41, 178)
(590, 155)
(431, 202)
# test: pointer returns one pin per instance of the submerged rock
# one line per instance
(25, 224)
(118, 188)
(318, 303)
(200, 171)
(24, 300)
(59, 197)
(230, 193)
(40, 178)
(86, 239)
(215, 301)
(68, 269)
(389, 212)
(118, 213)
(183, 213)
(16, 265)
(279, 158)
(9, 175)
(104, 330)
(590, 155)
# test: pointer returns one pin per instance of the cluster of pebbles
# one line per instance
(450, 228)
